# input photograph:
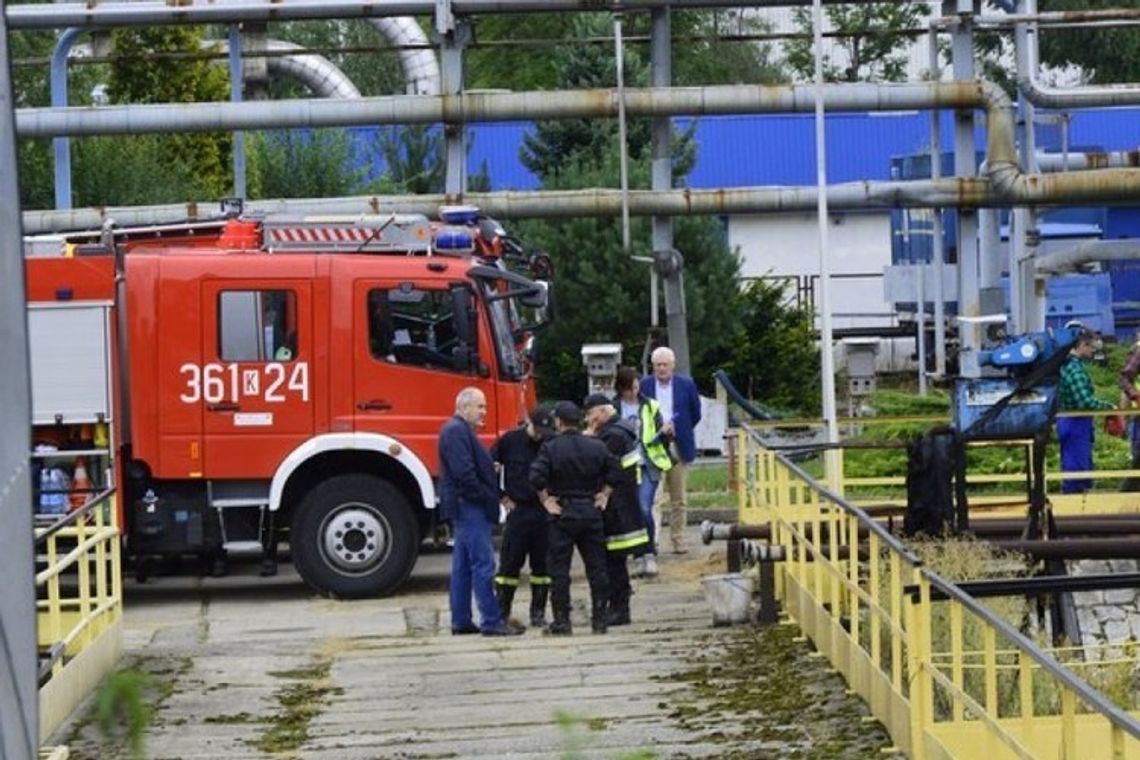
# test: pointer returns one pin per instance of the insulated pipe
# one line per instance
(1086, 253)
(1070, 97)
(1008, 184)
(323, 78)
(160, 12)
(316, 72)
(1059, 162)
(554, 204)
(421, 69)
(61, 146)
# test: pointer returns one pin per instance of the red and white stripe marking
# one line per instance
(321, 235)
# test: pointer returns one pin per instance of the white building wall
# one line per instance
(787, 245)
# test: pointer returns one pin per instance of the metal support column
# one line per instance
(832, 457)
(19, 697)
(1031, 293)
(236, 83)
(667, 261)
(965, 165)
(452, 34)
(937, 247)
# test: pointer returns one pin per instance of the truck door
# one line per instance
(406, 369)
(255, 381)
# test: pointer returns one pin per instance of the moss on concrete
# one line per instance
(759, 693)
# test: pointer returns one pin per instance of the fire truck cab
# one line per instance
(287, 379)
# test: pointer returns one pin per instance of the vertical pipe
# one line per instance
(61, 146)
(236, 82)
(1034, 300)
(827, 357)
(965, 165)
(920, 321)
(455, 35)
(661, 178)
(623, 145)
(937, 246)
(19, 699)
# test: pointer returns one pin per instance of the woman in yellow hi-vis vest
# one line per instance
(644, 412)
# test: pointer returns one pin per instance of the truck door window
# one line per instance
(407, 325)
(257, 325)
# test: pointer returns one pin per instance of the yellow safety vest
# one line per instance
(655, 448)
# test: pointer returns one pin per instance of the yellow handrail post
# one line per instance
(920, 642)
(956, 657)
(742, 450)
(897, 619)
(1068, 724)
(989, 671)
(1025, 689)
(853, 610)
(84, 566)
(874, 559)
(917, 737)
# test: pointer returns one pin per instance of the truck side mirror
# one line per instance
(463, 315)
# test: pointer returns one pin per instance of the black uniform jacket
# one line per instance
(623, 514)
(516, 452)
(574, 467)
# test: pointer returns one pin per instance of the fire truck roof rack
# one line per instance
(394, 233)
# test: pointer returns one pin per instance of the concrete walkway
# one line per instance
(244, 668)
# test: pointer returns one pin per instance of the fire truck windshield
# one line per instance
(503, 325)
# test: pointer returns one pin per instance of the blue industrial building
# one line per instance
(735, 151)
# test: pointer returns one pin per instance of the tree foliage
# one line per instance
(1107, 55)
(413, 157)
(300, 164)
(601, 291)
(139, 76)
(775, 359)
(875, 49)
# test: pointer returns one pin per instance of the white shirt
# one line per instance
(664, 396)
(629, 411)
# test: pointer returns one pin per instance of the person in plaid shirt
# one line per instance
(1077, 394)
(1129, 382)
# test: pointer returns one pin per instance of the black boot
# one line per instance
(506, 596)
(538, 595)
(561, 624)
(598, 619)
(618, 613)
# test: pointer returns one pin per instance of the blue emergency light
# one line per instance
(454, 240)
(465, 215)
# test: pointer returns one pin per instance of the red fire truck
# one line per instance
(249, 380)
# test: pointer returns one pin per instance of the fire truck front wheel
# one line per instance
(354, 536)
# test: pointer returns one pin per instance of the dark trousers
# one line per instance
(524, 539)
(618, 574)
(589, 536)
(1075, 434)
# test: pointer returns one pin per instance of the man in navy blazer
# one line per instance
(469, 498)
(681, 410)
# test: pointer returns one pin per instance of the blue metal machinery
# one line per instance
(1020, 405)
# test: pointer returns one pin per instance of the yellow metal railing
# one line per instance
(946, 675)
(78, 604)
(978, 480)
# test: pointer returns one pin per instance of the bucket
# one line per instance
(729, 596)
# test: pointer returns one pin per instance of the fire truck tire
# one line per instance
(354, 536)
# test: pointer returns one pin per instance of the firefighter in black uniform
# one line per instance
(525, 532)
(624, 527)
(574, 476)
